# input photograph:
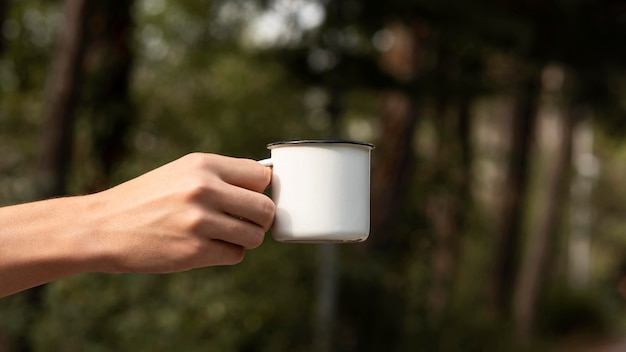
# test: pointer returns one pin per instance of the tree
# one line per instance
(61, 98)
(541, 241)
(56, 148)
(106, 94)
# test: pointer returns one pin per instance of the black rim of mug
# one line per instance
(320, 141)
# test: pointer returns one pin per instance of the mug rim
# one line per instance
(320, 141)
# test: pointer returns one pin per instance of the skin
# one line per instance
(200, 210)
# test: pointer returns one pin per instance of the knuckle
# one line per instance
(194, 221)
(200, 188)
(200, 160)
(195, 158)
(191, 253)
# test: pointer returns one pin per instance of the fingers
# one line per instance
(254, 207)
(244, 218)
(233, 230)
(244, 173)
(236, 213)
(238, 190)
(224, 253)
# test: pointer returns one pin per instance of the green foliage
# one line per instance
(257, 305)
(29, 33)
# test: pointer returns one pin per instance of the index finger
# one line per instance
(240, 172)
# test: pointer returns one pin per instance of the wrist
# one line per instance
(75, 245)
(90, 252)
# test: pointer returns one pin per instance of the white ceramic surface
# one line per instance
(321, 190)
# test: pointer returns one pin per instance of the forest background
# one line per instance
(498, 201)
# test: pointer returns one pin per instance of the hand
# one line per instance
(199, 210)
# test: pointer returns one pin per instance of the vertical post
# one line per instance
(327, 260)
(327, 253)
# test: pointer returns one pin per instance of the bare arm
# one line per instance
(199, 210)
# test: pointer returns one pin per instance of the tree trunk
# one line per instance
(394, 154)
(447, 204)
(392, 169)
(536, 259)
(108, 64)
(56, 148)
(585, 177)
(394, 151)
(3, 15)
(512, 203)
(61, 97)
(5, 338)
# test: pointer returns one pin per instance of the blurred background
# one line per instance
(498, 193)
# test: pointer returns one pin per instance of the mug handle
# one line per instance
(266, 162)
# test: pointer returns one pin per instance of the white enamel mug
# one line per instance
(321, 189)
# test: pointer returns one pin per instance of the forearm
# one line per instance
(43, 241)
(199, 210)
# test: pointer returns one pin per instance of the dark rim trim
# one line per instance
(320, 141)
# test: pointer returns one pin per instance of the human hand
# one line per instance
(199, 210)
